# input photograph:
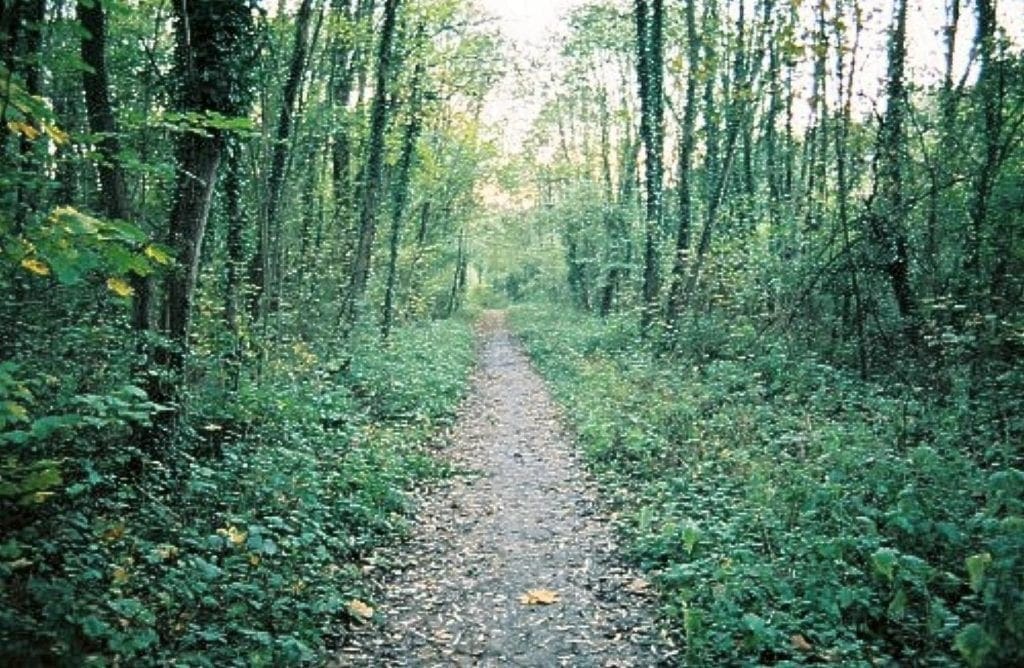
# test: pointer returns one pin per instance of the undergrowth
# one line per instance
(789, 513)
(243, 545)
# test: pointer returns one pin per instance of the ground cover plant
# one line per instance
(788, 512)
(249, 551)
(241, 242)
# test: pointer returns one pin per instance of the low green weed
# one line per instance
(244, 544)
(789, 513)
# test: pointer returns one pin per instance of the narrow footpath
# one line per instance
(511, 563)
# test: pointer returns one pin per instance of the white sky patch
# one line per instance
(535, 30)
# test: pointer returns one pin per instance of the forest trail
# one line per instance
(520, 516)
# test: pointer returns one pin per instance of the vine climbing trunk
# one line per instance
(372, 174)
(213, 39)
(261, 269)
(889, 211)
(648, 17)
(400, 195)
(687, 145)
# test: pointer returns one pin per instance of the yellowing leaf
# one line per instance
(41, 497)
(359, 610)
(233, 534)
(114, 532)
(254, 559)
(56, 134)
(167, 552)
(120, 287)
(157, 255)
(638, 586)
(799, 642)
(120, 575)
(24, 129)
(35, 266)
(539, 597)
(17, 412)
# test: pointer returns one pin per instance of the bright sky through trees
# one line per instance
(534, 29)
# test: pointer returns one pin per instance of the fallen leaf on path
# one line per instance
(360, 610)
(638, 586)
(539, 597)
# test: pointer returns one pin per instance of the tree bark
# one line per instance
(212, 38)
(887, 217)
(100, 112)
(650, 56)
(261, 270)
(400, 194)
(372, 175)
(687, 145)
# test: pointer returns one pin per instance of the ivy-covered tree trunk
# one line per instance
(213, 40)
(400, 194)
(267, 243)
(372, 173)
(687, 146)
(889, 211)
(649, 18)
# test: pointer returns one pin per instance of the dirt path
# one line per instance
(522, 518)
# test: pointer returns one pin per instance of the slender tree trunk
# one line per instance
(372, 174)
(842, 183)
(650, 57)
(990, 102)
(261, 272)
(889, 212)
(400, 194)
(236, 221)
(687, 145)
(96, 84)
(349, 62)
(718, 164)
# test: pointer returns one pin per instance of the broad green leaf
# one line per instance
(974, 644)
(884, 561)
(976, 565)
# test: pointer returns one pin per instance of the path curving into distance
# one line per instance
(521, 518)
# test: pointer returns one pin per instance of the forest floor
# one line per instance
(512, 562)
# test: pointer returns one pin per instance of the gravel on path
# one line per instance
(512, 562)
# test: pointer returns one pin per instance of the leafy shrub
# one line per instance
(242, 545)
(788, 512)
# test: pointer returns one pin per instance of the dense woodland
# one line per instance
(773, 271)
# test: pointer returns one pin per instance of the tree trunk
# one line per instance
(372, 175)
(96, 84)
(236, 258)
(650, 57)
(261, 270)
(400, 194)
(887, 217)
(212, 38)
(687, 145)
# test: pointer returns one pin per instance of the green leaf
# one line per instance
(898, 604)
(691, 534)
(976, 565)
(974, 644)
(884, 561)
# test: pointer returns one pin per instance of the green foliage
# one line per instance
(244, 547)
(777, 502)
